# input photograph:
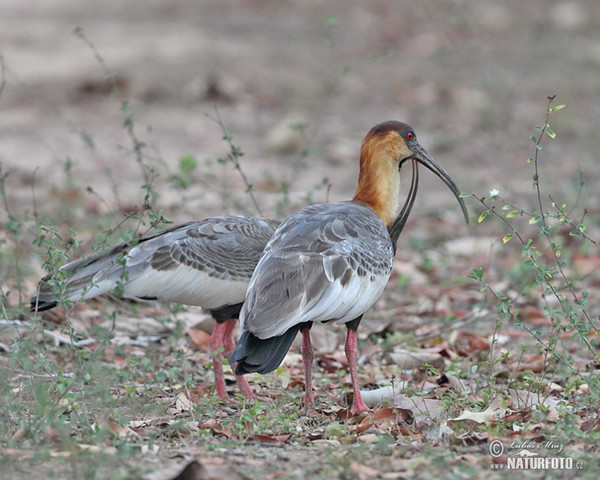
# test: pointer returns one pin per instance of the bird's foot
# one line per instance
(220, 388)
(358, 406)
(244, 387)
(309, 401)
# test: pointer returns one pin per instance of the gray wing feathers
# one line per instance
(314, 256)
(226, 249)
(221, 247)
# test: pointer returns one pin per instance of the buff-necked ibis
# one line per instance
(332, 261)
(207, 263)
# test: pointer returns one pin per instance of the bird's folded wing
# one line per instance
(319, 266)
(171, 265)
(224, 247)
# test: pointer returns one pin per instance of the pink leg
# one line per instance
(228, 342)
(308, 355)
(216, 342)
(229, 345)
(358, 406)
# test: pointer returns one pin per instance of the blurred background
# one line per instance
(297, 84)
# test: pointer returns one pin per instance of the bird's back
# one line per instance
(207, 263)
(328, 261)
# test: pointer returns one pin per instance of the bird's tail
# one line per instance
(252, 354)
(82, 279)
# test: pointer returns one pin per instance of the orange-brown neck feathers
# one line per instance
(379, 178)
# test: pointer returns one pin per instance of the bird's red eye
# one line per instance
(410, 136)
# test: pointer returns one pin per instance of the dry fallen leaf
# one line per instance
(183, 403)
(116, 429)
(183, 428)
(199, 337)
(216, 428)
(466, 343)
(494, 411)
(552, 416)
(591, 425)
(395, 421)
(363, 472)
(455, 383)
(263, 438)
(425, 411)
(15, 452)
(523, 399)
(20, 432)
(536, 367)
(407, 360)
(324, 338)
(84, 447)
(535, 317)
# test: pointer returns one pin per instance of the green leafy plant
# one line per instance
(563, 296)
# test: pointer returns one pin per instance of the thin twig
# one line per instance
(3, 177)
(579, 191)
(129, 123)
(568, 221)
(33, 196)
(58, 339)
(536, 182)
(234, 156)
(2, 74)
(51, 376)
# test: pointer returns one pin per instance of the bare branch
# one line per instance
(234, 156)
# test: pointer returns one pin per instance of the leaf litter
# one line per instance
(422, 377)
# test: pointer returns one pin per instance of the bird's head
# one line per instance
(385, 149)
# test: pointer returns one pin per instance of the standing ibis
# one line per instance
(332, 261)
(207, 263)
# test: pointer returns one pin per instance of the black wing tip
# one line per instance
(252, 354)
(241, 356)
(40, 305)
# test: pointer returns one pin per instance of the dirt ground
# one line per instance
(471, 77)
(298, 84)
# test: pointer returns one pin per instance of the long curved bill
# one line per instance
(400, 221)
(422, 156)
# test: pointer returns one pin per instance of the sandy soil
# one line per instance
(471, 77)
